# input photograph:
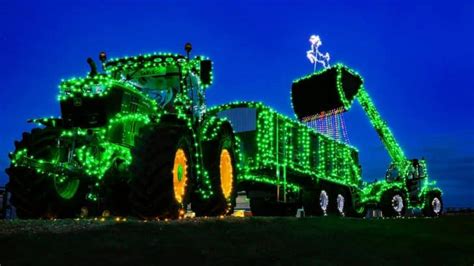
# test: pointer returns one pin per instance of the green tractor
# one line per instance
(134, 139)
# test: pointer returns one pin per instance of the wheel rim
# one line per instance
(323, 200)
(436, 204)
(66, 187)
(227, 173)
(397, 203)
(340, 203)
(180, 175)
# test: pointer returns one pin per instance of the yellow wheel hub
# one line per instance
(180, 175)
(226, 173)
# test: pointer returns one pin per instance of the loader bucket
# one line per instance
(324, 91)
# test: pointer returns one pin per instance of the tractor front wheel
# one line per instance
(35, 192)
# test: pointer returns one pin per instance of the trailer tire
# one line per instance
(316, 202)
(393, 203)
(219, 161)
(265, 207)
(261, 207)
(33, 193)
(161, 171)
(309, 202)
(433, 205)
(340, 204)
(359, 212)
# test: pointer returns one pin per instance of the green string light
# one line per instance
(281, 142)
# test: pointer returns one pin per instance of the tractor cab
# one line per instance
(393, 173)
(163, 76)
(159, 77)
(415, 178)
(162, 85)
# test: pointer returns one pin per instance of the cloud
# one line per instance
(450, 159)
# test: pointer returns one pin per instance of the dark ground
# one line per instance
(447, 240)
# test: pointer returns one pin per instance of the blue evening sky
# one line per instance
(417, 58)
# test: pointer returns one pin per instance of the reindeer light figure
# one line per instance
(314, 55)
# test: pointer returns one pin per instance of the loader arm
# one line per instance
(385, 134)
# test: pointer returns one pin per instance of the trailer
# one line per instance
(281, 158)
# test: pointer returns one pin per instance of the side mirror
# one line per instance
(206, 72)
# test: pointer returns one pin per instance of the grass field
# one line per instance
(240, 241)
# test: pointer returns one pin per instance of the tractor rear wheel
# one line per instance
(162, 172)
(35, 194)
(433, 205)
(393, 203)
(219, 161)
